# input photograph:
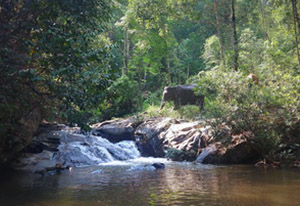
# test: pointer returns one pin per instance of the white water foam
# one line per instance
(95, 150)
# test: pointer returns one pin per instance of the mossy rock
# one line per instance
(180, 155)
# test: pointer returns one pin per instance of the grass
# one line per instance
(188, 112)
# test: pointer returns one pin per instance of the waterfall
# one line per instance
(80, 150)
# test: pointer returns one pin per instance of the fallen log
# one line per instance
(57, 168)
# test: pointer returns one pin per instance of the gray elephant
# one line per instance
(181, 95)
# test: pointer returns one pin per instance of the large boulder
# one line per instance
(67, 147)
(156, 136)
(186, 136)
(147, 136)
(238, 151)
(212, 154)
(116, 130)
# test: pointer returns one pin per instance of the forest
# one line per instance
(80, 62)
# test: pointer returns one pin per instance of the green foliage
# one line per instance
(251, 49)
(267, 110)
(212, 52)
(188, 112)
(152, 99)
(67, 57)
(123, 98)
(54, 55)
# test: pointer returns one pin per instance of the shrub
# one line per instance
(123, 97)
(268, 110)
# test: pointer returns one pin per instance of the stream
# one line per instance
(131, 183)
(107, 174)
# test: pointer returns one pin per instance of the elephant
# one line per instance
(181, 95)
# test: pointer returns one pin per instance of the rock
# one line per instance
(38, 147)
(158, 165)
(46, 128)
(238, 151)
(147, 136)
(141, 168)
(186, 136)
(55, 169)
(157, 135)
(116, 130)
(28, 126)
(34, 162)
(212, 154)
(153, 137)
(97, 172)
(34, 148)
(154, 166)
(80, 150)
(68, 147)
(296, 164)
(180, 155)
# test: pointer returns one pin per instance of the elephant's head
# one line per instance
(169, 94)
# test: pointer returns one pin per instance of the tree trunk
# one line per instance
(219, 32)
(264, 20)
(296, 21)
(126, 51)
(139, 74)
(296, 14)
(168, 63)
(235, 40)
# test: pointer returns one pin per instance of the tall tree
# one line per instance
(126, 47)
(296, 22)
(219, 31)
(235, 39)
(262, 5)
(54, 56)
(296, 14)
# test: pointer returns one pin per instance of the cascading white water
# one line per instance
(79, 150)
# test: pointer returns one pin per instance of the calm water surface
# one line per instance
(129, 183)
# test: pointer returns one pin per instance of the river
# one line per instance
(129, 183)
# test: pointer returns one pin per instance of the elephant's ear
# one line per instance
(169, 90)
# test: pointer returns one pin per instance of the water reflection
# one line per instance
(178, 184)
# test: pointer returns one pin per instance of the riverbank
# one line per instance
(179, 140)
(140, 136)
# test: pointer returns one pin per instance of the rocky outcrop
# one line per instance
(157, 135)
(147, 136)
(116, 130)
(67, 147)
(237, 151)
(28, 126)
(108, 141)
(186, 136)
(184, 140)
(211, 154)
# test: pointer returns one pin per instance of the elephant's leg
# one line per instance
(201, 103)
(177, 104)
(162, 104)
